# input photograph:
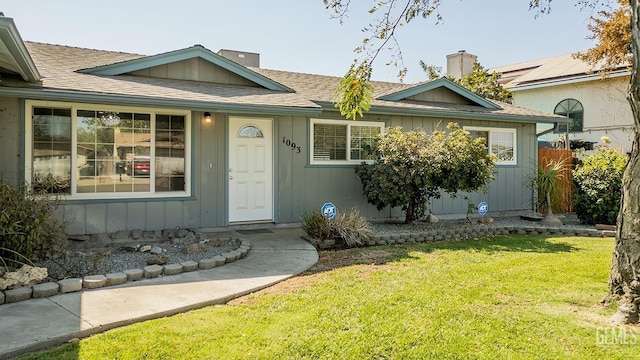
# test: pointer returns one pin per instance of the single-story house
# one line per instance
(196, 139)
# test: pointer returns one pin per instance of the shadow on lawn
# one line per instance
(380, 255)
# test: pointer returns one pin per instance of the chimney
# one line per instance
(241, 57)
(460, 64)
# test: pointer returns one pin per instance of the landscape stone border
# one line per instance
(463, 232)
(88, 282)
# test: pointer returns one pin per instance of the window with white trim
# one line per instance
(500, 142)
(342, 142)
(96, 151)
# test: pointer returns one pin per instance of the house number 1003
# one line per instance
(291, 144)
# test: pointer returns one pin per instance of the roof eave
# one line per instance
(17, 51)
(390, 110)
(566, 81)
(77, 96)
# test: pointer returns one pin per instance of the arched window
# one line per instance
(573, 109)
(250, 131)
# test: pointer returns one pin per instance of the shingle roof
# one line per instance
(60, 65)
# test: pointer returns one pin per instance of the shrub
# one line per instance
(547, 181)
(411, 168)
(28, 226)
(349, 227)
(598, 186)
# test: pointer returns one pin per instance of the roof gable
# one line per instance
(439, 90)
(195, 57)
(14, 56)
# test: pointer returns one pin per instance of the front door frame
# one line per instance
(235, 123)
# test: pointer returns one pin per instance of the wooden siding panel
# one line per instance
(173, 214)
(191, 214)
(116, 216)
(75, 218)
(204, 70)
(177, 70)
(285, 160)
(142, 72)
(161, 71)
(220, 184)
(137, 212)
(221, 76)
(300, 135)
(155, 215)
(210, 147)
(96, 218)
(10, 146)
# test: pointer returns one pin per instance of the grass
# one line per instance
(524, 297)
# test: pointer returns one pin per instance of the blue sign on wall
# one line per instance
(483, 208)
(328, 210)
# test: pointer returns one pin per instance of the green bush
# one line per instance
(598, 186)
(28, 226)
(349, 227)
(412, 167)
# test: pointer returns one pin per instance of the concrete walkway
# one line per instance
(39, 323)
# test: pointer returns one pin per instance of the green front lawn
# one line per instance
(516, 297)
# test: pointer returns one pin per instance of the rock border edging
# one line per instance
(48, 289)
(467, 233)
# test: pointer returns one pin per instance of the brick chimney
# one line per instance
(460, 64)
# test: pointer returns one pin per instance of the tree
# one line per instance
(625, 269)
(411, 168)
(626, 255)
(480, 81)
(613, 32)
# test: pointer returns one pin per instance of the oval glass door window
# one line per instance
(250, 131)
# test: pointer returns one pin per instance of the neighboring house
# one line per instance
(567, 86)
(192, 139)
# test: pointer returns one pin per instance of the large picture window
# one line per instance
(87, 151)
(500, 142)
(337, 141)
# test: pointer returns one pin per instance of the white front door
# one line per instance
(250, 169)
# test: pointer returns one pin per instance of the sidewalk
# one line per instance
(39, 323)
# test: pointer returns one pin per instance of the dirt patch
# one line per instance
(328, 260)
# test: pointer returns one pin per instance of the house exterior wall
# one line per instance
(606, 109)
(196, 69)
(440, 95)
(302, 187)
(10, 141)
(298, 186)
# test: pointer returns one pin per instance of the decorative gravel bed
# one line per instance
(113, 260)
(95, 267)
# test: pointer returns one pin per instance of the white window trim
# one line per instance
(348, 123)
(74, 107)
(513, 131)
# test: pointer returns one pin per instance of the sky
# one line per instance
(301, 36)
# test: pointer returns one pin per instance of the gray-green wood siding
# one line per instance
(299, 187)
(10, 141)
(195, 70)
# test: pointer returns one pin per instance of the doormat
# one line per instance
(254, 231)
